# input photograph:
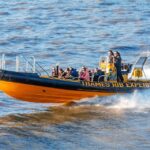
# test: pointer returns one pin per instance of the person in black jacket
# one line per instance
(117, 63)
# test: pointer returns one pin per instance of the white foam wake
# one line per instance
(137, 101)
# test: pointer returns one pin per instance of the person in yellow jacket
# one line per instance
(111, 69)
(110, 62)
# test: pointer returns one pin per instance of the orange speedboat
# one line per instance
(32, 87)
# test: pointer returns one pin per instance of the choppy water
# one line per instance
(74, 33)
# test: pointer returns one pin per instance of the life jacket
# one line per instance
(110, 68)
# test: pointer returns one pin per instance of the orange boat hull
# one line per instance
(41, 94)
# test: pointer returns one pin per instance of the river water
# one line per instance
(75, 33)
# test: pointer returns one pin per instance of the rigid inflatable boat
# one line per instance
(33, 87)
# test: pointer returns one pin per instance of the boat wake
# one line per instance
(111, 107)
(137, 102)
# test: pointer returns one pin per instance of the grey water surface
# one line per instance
(75, 33)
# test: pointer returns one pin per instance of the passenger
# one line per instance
(84, 74)
(117, 63)
(55, 71)
(110, 64)
(92, 73)
(98, 75)
(61, 73)
(73, 73)
(81, 73)
(67, 73)
(110, 56)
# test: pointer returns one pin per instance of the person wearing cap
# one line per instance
(117, 63)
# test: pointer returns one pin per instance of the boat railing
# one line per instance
(36, 66)
(2, 62)
(21, 63)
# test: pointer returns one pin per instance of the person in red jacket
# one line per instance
(84, 74)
